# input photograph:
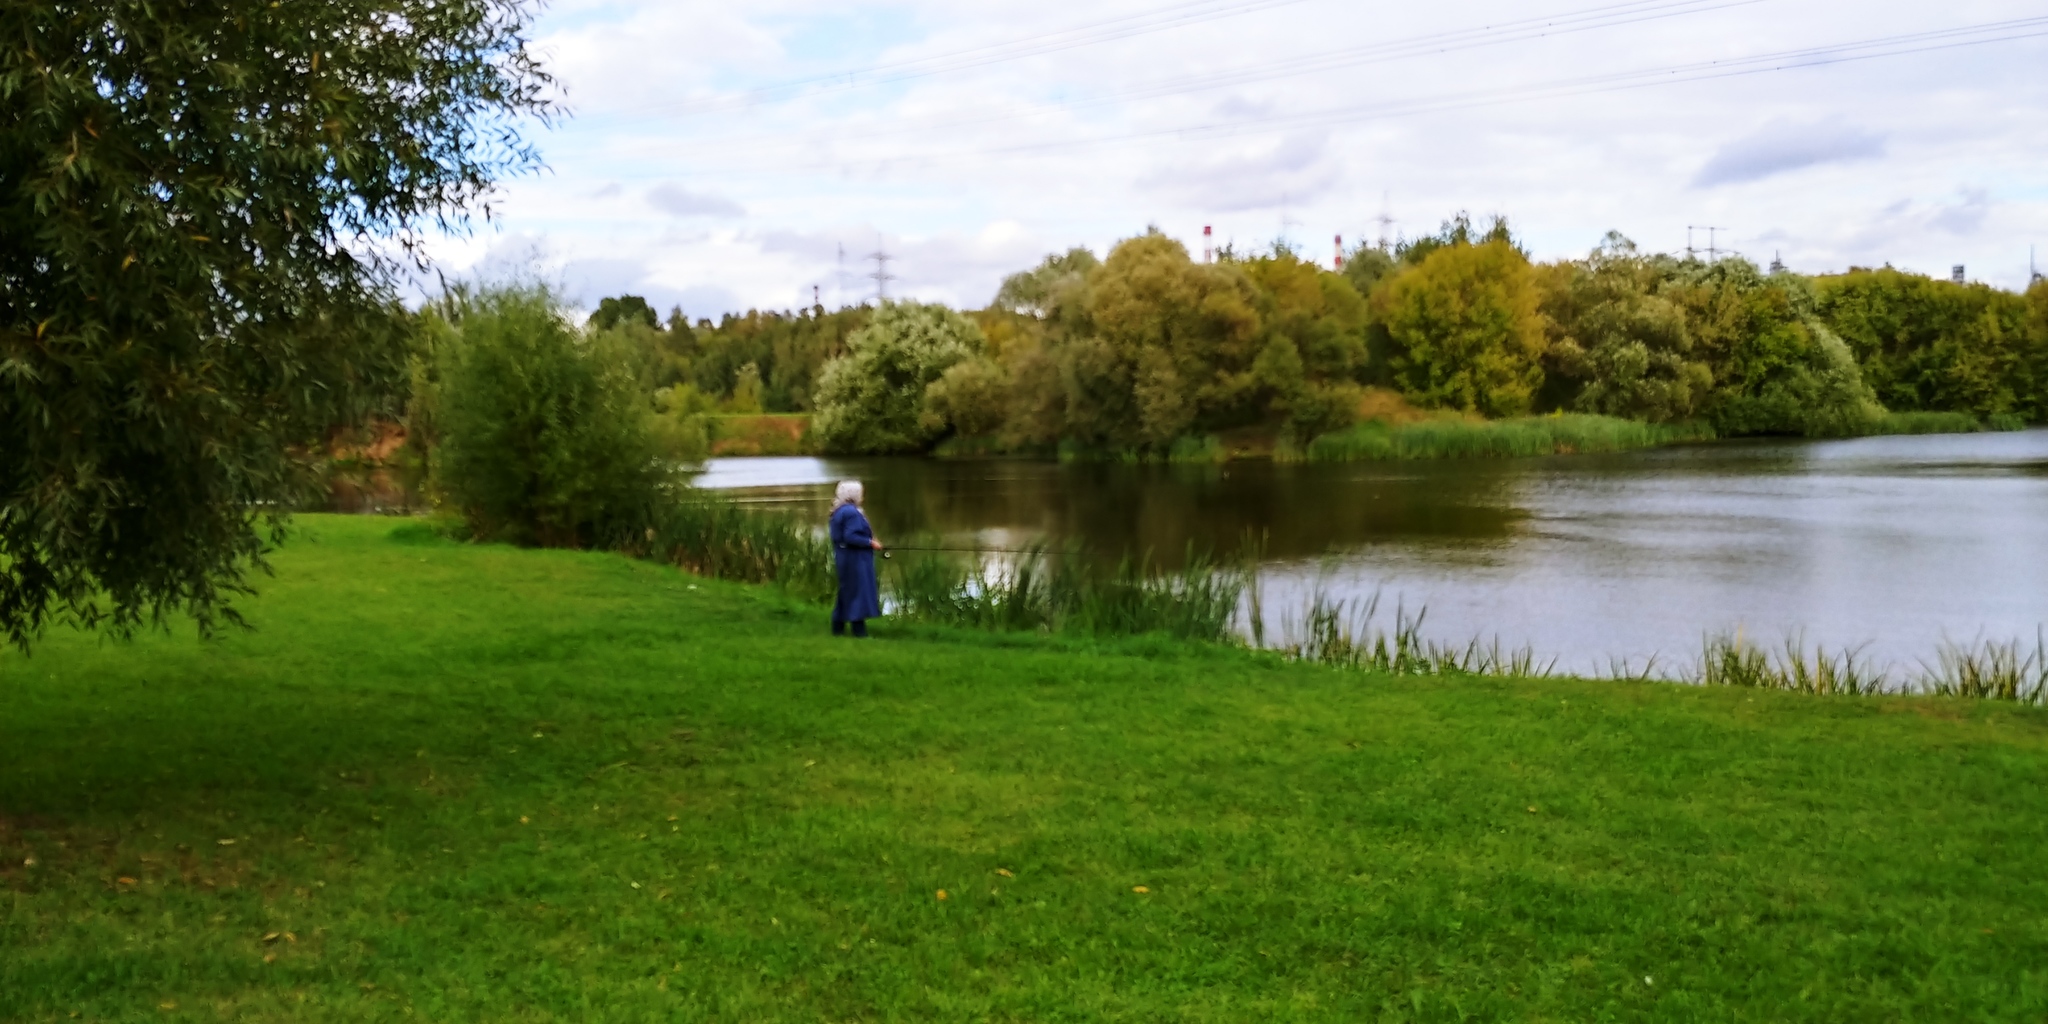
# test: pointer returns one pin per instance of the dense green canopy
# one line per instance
(203, 208)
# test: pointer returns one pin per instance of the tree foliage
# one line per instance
(1465, 329)
(623, 310)
(191, 202)
(1619, 346)
(872, 399)
(1777, 368)
(545, 434)
(1147, 353)
(1927, 344)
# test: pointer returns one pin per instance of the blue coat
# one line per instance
(853, 549)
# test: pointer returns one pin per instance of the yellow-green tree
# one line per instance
(1464, 329)
(1315, 321)
(1160, 341)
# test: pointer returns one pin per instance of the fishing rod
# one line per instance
(963, 551)
(886, 549)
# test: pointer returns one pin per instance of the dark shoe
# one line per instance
(860, 630)
(839, 629)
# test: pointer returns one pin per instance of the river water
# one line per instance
(1893, 545)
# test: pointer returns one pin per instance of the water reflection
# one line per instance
(1894, 543)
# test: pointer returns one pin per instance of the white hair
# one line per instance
(850, 492)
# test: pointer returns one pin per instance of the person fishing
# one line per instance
(853, 553)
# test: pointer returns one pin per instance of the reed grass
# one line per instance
(1070, 592)
(715, 536)
(1347, 634)
(1730, 660)
(1926, 423)
(1207, 600)
(1452, 438)
(1990, 670)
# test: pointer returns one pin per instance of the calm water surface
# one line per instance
(1893, 543)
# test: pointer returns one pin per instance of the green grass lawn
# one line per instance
(446, 782)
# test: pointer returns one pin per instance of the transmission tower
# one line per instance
(1713, 249)
(1385, 219)
(881, 275)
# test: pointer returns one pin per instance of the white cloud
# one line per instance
(677, 201)
(974, 173)
(1784, 146)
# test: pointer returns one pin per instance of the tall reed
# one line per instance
(712, 535)
(1450, 437)
(1070, 592)
(1347, 634)
(1990, 670)
(1732, 661)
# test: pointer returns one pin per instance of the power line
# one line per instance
(1889, 46)
(1142, 23)
(1867, 49)
(1431, 44)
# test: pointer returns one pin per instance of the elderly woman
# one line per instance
(853, 549)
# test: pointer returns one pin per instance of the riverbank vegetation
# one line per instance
(1148, 353)
(476, 782)
(1453, 344)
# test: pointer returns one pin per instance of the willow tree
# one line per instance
(204, 209)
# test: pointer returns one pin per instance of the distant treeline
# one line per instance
(1148, 349)
(540, 429)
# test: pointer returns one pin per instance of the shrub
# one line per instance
(1463, 329)
(872, 399)
(544, 436)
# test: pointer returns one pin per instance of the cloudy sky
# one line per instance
(723, 156)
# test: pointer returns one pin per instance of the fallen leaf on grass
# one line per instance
(270, 958)
(1140, 890)
(1532, 808)
(942, 894)
(522, 819)
(1005, 872)
(28, 862)
(271, 936)
(124, 880)
(168, 1004)
(224, 842)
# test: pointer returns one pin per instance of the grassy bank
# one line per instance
(761, 434)
(1450, 438)
(451, 782)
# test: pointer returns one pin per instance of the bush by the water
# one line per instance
(544, 435)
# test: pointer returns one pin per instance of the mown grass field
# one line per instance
(446, 782)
